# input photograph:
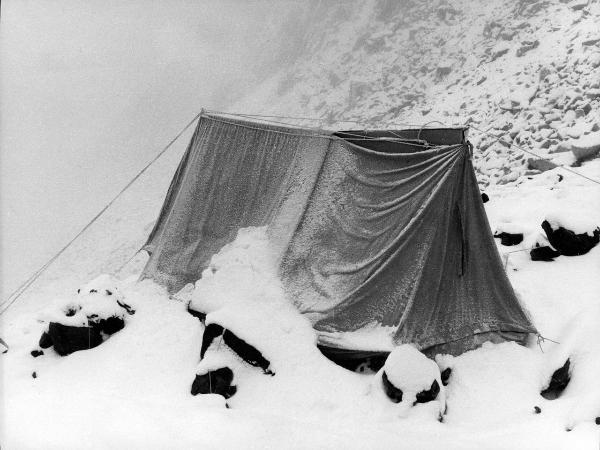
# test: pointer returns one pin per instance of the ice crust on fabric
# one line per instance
(387, 233)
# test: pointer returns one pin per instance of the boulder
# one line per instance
(558, 382)
(247, 352)
(568, 243)
(586, 147)
(215, 382)
(392, 392)
(527, 46)
(409, 376)
(210, 333)
(484, 198)
(109, 325)
(67, 339)
(445, 376)
(244, 350)
(197, 314)
(509, 239)
(430, 394)
(544, 253)
(540, 164)
(395, 394)
(45, 340)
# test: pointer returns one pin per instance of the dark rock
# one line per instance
(126, 307)
(446, 376)
(215, 382)
(568, 243)
(597, 420)
(197, 314)
(68, 339)
(429, 395)
(527, 46)
(109, 325)
(559, 381)
(393, 393)
(45, 340)
(498, 53)
(544, 253)
(34, 375)
(244, 350)
(36, 353)
(593, 41)
(540, 164)
(247, 352)
(484, 198)
(509, 239)
(442, 71)
(210, 333)
(537, 409)
(587, 147)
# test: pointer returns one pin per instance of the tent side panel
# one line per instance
(234, 175)
(399, 243)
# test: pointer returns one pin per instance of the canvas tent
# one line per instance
(382, 236)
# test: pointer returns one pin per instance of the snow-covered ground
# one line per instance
(133, 391)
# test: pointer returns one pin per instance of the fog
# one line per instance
(92, 90)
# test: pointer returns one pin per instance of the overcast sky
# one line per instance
(92, 89)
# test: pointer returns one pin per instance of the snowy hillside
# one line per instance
(528, 73)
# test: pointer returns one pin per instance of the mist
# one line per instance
(92, 90)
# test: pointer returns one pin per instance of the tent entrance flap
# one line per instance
(369, 227)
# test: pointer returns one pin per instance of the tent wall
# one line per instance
(233, 175)
(373, 234)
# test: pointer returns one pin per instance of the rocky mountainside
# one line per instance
(524, 72)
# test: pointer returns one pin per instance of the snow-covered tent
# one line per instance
(381, 235)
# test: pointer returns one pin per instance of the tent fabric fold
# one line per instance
(382, 236)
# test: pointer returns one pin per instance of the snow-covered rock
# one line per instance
(587, 146)
(241, 291)
(408, 377)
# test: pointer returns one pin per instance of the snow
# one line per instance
(572, 219)
(99, 299)
(412, 372)
(241, 291)
(133, 390)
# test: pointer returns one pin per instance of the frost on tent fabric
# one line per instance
(85, 321)
(370, 230)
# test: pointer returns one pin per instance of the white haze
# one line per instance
(92, 90)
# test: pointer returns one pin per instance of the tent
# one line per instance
(382, 236)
